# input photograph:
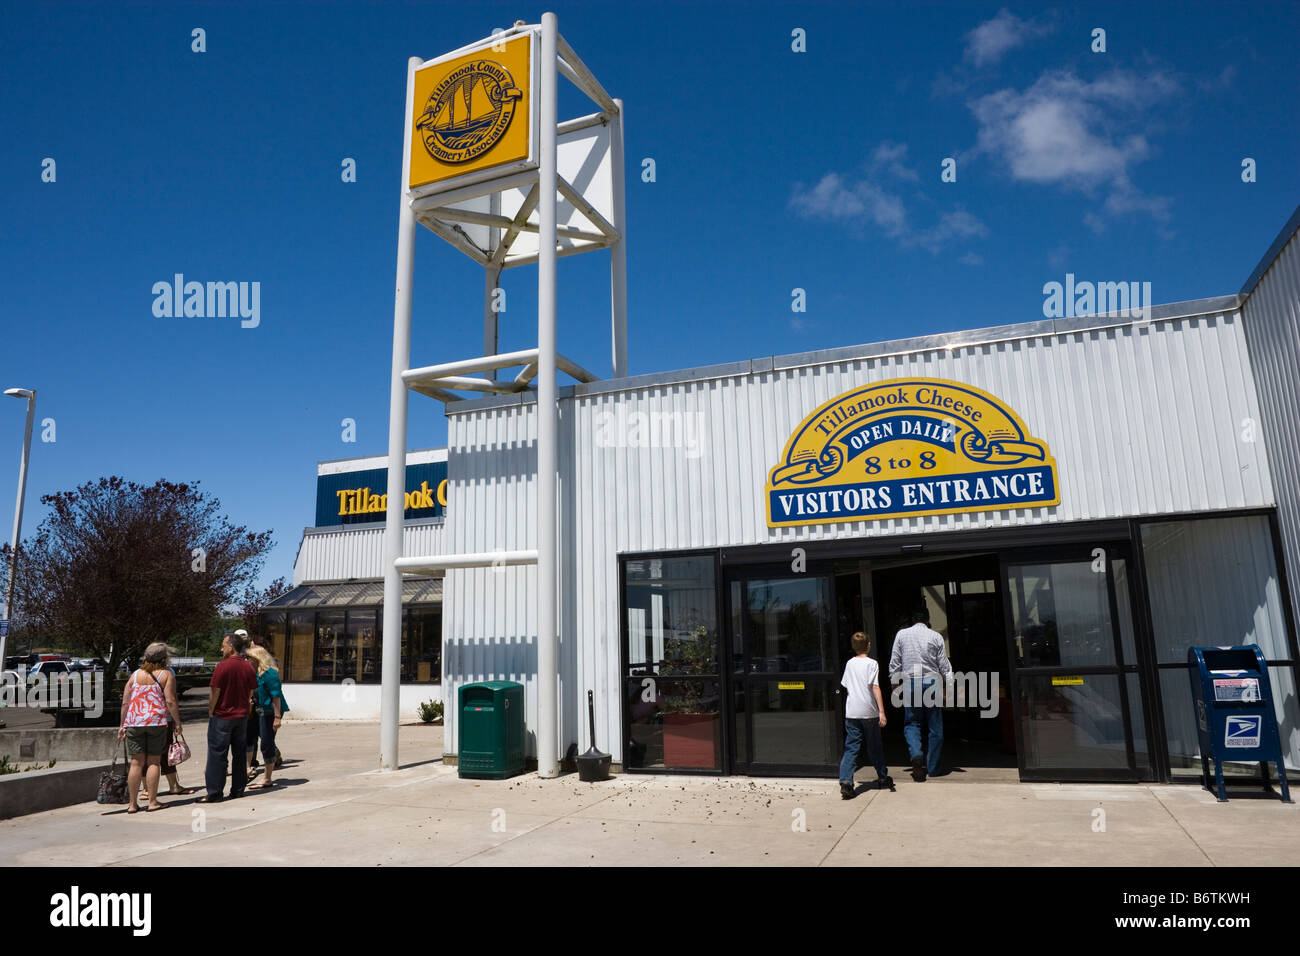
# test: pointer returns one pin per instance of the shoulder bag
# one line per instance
(112, 784)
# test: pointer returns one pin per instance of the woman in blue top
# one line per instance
(270, 698)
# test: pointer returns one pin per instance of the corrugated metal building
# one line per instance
(708, 583)
(713, 630)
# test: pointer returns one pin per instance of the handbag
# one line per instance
(179, 751)
(112, 784)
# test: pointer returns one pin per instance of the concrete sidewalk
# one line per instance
(333, 810)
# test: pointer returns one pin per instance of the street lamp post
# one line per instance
(30, 395)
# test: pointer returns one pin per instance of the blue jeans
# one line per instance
(860, 732)
(226, 738)
(915, 713)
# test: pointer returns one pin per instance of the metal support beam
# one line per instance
(457, 239)
(517, 225)
(445, 397)
(582, 122)
(505, 360)
(585, 80)
(491, 329)
(504, 222)
(527, 375)
(18, 515)
(573, 369)
(469, 384)
(618, 253)
(391, 657)
(587, 209)
(426, 204)
(481, 559)
(548, 746)
(560, 253)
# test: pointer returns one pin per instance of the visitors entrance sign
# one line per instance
(903, 447)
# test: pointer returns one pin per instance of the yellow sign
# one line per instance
(472, 112)
(909, 446)
(1066, 681)
(790, 685)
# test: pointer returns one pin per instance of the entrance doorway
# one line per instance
(964, 601)
(1042, 638)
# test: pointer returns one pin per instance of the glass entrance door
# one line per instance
(1074, 673)
(784, 684)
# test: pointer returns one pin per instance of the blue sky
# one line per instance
(775, 170)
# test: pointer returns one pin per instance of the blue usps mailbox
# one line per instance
(1234, 713)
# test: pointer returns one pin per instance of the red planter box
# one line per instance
(691, 741)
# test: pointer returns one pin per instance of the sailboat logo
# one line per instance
(468, 112)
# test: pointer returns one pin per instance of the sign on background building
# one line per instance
(904, 447)
(358, 497)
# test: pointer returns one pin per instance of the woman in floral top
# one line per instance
(149, 696)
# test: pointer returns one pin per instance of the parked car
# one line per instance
(49, 669)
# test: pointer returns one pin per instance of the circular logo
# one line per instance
(468, 112)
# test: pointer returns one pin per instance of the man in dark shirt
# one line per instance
(233, 682)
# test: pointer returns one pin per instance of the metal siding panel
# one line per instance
(1272, 328)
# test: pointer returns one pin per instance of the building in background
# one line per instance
(326, 631)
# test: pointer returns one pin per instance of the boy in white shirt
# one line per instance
(864, 715)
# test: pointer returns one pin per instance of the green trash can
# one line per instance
(491, 731)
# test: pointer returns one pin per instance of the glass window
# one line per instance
(789, 625)
(302, 631)
(1061, 615)
(793, 723)
(333, 660)
(1072, 722)
(671, 688)
(1119, 568)
(422, 645)
(361, 644)
(672, 615)
(1213, 582)
(273, 624)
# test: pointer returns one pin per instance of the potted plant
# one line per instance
(691, 722)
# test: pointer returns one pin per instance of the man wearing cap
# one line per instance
(229, 696)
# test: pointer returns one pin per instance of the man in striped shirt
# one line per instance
(918, 657)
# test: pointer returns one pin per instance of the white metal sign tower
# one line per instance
(559, 194)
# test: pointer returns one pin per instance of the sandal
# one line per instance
(206, 799)
(182, 792)
(132, 809)
(261, 786)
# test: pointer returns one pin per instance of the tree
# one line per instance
(253, 600)
(116, 566)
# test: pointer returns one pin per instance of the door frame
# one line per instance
(734, 680)
(1125, 671)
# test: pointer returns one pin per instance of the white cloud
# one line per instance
(958, 224)
(993, 39)
(870, 202)
(888, 157)
(862, 201)
(1076, 133)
